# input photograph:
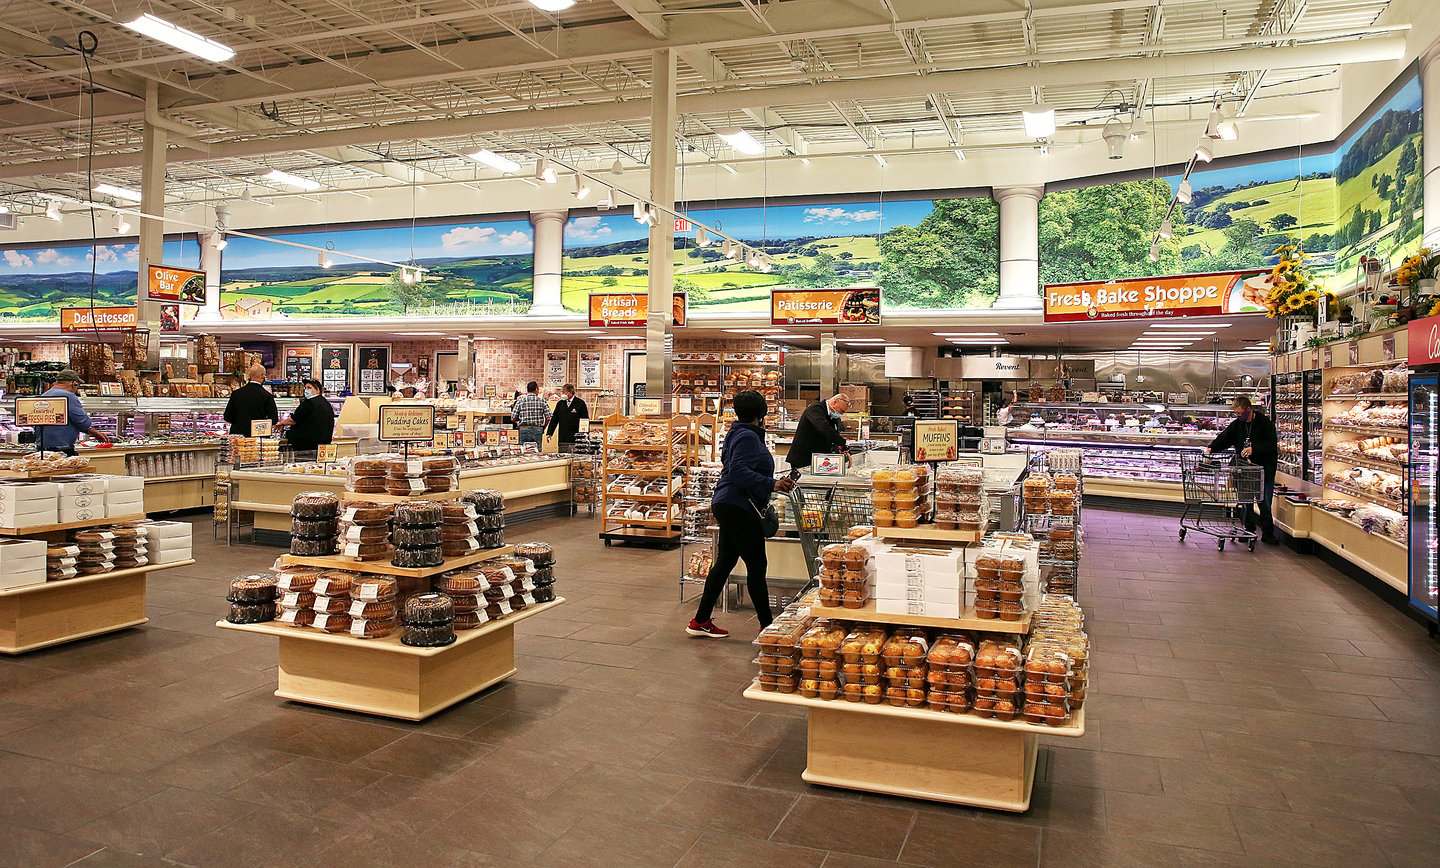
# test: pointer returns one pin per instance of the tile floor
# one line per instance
(1245, 709)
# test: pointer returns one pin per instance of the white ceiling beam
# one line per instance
(712, 68)
(647, 13)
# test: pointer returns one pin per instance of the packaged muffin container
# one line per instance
(781, 637)
(861, 673)
(822, 640)
(862, 645)
(778, 683)
(956, 702)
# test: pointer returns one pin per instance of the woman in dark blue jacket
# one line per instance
(747, 479)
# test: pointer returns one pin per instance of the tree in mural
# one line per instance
(819, 273)
(419, 293)
(1104, 232)
(950, 259)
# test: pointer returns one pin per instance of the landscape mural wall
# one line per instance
(927, 253)
(1362, 197)
(36, 282)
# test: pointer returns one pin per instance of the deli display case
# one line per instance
(1424, 578)
(1298, 413)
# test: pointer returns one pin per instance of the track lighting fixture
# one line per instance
(407, 276)
(1167, 230)
(1203, 152)
(218, 241)
(546, 172)
(122, 225)
(52, 211)
(325, 260)
(701, 239)
(582, 189)
(1186, 192)
(1155, 251)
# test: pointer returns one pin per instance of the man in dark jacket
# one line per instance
(1252, 436)
(818, 431)
(566, 417)
(250, 402)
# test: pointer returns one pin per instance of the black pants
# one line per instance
(1267, 498)
(739, 538)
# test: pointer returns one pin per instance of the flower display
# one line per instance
(1416, 267)
(1293, 291)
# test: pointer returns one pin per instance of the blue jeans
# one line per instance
(531, 435)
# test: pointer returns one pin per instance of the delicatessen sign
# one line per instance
(1212, 294)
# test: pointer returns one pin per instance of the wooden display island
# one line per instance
(53, 613)
(385, 677)
(962, 759)
(164, 493)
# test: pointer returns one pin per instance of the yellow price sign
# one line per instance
(328, 452)
(407, 422)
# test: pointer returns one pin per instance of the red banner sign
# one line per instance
(1423, 336)
(825, 306)
(106, 319)
(1221, 292)
(632, 309)
(183, 285)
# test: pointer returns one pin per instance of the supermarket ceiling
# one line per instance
(366, 95)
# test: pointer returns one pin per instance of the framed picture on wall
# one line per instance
(336, 368)
(590, 368)
(372, 369)
(557, 368)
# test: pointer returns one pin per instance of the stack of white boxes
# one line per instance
(69, 499)
(22, 562)
(913, 579)
(28, 504)
(166, 542)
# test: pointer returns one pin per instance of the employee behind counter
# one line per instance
(313, 422)
(818, 431)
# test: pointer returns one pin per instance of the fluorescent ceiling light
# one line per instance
(290, 180)
(880, 158)
(552, 5)
(118, 192)
(495, 161)
(576, 332)
(741, 140)
(185, 40)
(966, 334)
(1189, 327)
(284, 335)
(421, 334)
(959, 155)
(729, 168)
(1039, 121)
(755, 331)
(4, 209)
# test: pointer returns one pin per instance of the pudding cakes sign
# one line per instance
(1220, 292)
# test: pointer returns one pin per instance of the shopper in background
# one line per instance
(818, 431)
(1006, 414)
(250, 402)
(1252, 436)
(312, 423)
(747, 478)
(61, 438)
(567, 416)
(531, 413)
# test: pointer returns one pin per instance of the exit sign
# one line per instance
(682, 225)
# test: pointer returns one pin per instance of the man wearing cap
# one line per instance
(61, 438)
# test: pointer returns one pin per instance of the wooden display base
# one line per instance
(453, 494)
(41, 474)
(967, 621)
(69, 525)
(920, 753)
(386, 677)
(929, 533)
(383, 568)
(52, 613)
(663, 536)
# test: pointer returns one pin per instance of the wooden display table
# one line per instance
(963, 759)
(163, 493)
(968, 621)
(386, 677)
(52, 613)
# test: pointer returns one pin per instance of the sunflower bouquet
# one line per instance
(1293, 290)
(1417, 267)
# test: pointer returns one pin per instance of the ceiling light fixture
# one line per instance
(742, 141)
(1203, 152)
(118, 192)
(552, 5)
(1167, 230)
(582, 189)
(290, 180)
(218, 241)
(1114, 136)
(959, 155)
(52, 211)
(729, 168)
(185, 40)
(495, 161)
(4, 209)
(1139, 129)
(325, 261)
(1186, 192)
(728, 248)
(1229, 131)
(122, 225)
(616, 169)
(701, 239)
(407, 276)
(546, 172)
(1154, 251)
(1180, 325)
(1039, 120)
(880, 158)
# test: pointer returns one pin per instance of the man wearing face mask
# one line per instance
(818, 431)
(313, 422)
(566, 418)
(1252, 435)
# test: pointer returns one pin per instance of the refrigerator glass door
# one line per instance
(1424, 464)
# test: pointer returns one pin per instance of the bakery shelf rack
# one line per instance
(670, 447)
(339, 562)
(385, 677)
(40, 529)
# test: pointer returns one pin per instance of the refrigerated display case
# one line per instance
(1314, 469)
(1297, 402)
(1424, 578)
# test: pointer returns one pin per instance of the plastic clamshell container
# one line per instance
(822, 639)
(862, 645)
(779, 683)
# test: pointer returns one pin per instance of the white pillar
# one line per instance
(1019, 247)
(210, 264)
(549, 256)
(152, 232)
(659, 330)
(1430, 124)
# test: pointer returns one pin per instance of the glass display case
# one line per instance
(1297, 401)
(133, 418)
(1314, 469)
(1424, 582)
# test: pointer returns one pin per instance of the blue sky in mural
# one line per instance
(73, 258)
(757, 222)
(392, 243)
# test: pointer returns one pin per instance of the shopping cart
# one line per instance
(824, 514)
(1224, 487)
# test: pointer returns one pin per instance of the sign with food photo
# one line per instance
(1221, 292)
(181, 285)
(632, 309)
(825, 306)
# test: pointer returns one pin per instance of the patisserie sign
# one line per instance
(1211, 294)
(1423, 336)
(825, 306)
(632, 309)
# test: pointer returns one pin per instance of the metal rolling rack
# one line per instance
(585, 476)
(1059, 563)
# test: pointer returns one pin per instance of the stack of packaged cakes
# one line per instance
(489, 516)
(364, 530)
(252, 599)
(542, 574)
(96, 551)
(61, 561)
(314, 522)
(429, 621)
(295, 595)
(459, 531)
(417, 535)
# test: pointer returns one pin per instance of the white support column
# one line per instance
(549, 256)
(465, 355)
(1430, 124)
(1019, 247)
(210, 264)
(659, 330)
(152, 231)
